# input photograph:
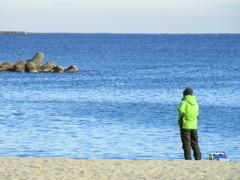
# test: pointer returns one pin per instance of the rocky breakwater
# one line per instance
(35, 65)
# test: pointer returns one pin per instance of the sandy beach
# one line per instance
(13, 168)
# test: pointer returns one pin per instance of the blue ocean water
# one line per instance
(122, 103)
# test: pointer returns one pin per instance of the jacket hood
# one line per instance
(190, 99)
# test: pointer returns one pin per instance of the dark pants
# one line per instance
(190, 141)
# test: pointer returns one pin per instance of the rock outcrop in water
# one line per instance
(35, 65)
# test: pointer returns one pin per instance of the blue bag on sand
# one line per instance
(218, 156)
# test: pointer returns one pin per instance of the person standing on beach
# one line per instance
(187, 121)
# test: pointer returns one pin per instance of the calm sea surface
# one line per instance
(122, 103)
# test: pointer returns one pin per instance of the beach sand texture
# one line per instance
(13, 168)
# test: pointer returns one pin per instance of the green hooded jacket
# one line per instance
(190, 107)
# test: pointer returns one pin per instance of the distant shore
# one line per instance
(13, 32)
(199, 34)
(86, 169)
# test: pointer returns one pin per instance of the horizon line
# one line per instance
(127, 33)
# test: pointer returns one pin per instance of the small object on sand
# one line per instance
(218, 156)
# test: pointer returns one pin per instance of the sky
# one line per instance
(121, 16)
